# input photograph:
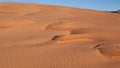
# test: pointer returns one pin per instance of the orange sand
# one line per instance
(44, 36)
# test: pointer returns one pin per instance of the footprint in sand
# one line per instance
(79, 34)
(110, 50)
(107, 48)
(76, 33)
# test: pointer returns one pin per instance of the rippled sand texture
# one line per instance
(44, 36)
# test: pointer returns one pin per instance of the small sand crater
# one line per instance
(111, 50)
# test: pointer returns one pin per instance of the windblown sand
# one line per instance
(44, 36)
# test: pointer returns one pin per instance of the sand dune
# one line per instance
(46, 36)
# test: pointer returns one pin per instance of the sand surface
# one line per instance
(44, 36)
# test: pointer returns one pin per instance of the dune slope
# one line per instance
(46, 36)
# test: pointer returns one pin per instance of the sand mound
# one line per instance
(111, 50)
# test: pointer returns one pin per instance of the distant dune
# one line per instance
(118, 11)
(47, 36)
